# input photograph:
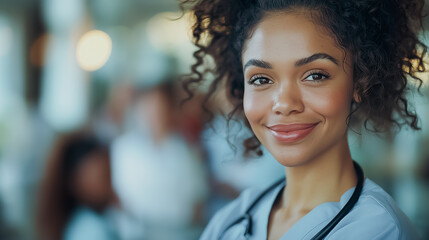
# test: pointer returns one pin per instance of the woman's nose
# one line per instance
(288, 100)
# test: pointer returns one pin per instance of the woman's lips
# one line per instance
(289, 133)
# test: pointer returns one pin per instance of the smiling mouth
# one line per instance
(291, 132)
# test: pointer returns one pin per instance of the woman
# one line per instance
(157, 175)
(302, 72)
(76, 191)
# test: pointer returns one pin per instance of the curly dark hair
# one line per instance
(380, 36)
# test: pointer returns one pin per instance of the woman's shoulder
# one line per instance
(377, 201)
(86, 224)
(376, 216)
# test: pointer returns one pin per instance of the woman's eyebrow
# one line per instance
(257, 63)
(300, 62)
(314, 57)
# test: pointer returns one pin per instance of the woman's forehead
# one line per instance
(289, 36)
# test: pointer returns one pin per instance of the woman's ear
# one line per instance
(356, 97)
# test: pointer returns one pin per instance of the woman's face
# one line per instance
(91, 182)
(298, 88)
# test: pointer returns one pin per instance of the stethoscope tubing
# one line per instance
(322, 233)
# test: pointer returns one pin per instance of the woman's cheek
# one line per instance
(255, 106)
(330, 103)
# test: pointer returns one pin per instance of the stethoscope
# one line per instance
(322, 233)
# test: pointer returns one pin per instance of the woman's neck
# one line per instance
(320, 180)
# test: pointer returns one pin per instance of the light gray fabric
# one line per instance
(375, 216)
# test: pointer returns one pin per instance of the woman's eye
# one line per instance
(259, 81)
(316, 76)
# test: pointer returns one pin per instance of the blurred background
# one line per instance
(93, 144)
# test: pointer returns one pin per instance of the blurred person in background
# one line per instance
(76, 191)
(158, 175)
(109, 119)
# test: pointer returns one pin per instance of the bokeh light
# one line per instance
(169, 30)
(93, 50)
